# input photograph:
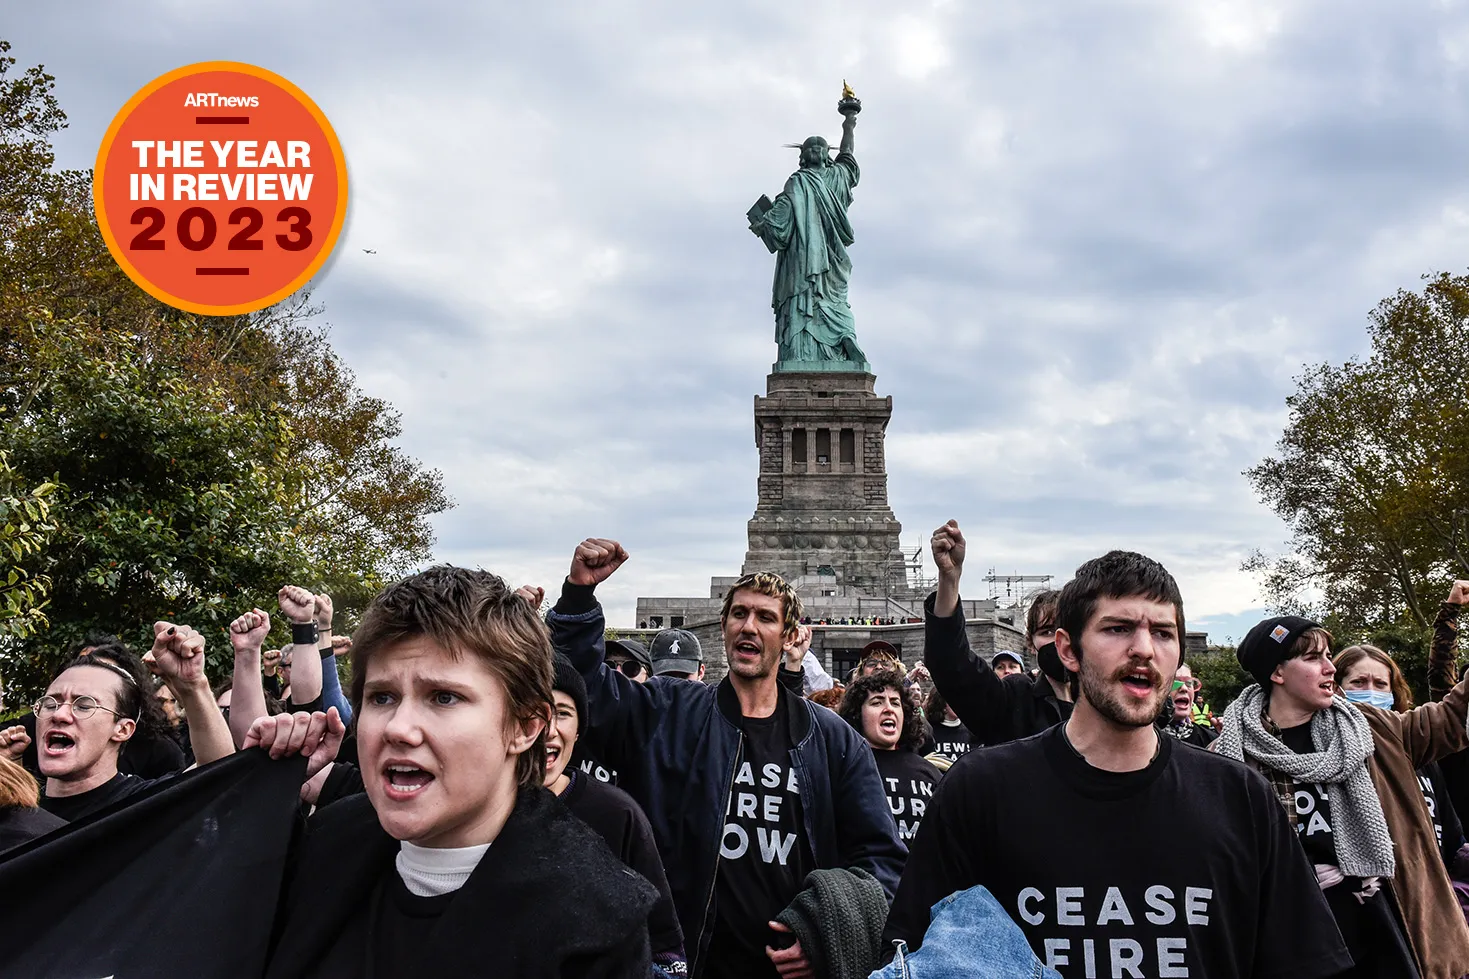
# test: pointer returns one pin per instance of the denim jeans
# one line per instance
(969, 937)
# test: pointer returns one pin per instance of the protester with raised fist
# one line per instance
(91, 709)
(1345, 775)
(884, 711)
(746, 770)
(326, 651)
(300, 607)
(1147, 858)
(456, 860)
(799, 661)
(995, 709)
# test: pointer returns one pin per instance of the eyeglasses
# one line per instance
(1192, 684)
(629, 668)
(81, 706)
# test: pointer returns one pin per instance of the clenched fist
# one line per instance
(298, 604)
(948, 550)
(595, 560)
(13, 742)
(179, 652)
(249, 630)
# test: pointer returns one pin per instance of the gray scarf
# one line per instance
(1343, 742)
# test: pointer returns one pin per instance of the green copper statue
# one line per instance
(806, 227)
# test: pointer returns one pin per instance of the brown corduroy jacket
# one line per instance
(1405, 741)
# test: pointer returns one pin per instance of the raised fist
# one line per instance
(179, 652)
(796, 649)
(247, 633)
(534, 594)
(595, 560)
(323, 608)
(13, 743)
(948, 549)
(298, 604)
(1459, 594)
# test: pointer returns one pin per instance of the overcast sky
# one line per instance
(1096, 241)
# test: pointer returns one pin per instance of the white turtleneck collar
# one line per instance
(431, 871)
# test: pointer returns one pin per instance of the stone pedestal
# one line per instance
(823, 508)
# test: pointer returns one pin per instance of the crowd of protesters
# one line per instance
(498, 792)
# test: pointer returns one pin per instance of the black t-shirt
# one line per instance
(1446, 825)
(764, 855)
(588, 764)
(908, 782)
(74, 807)
(1313, 808)
(1184, 868)
(618, 820)
(405, 924)
(952, 740)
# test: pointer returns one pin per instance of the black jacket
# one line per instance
(548, 899)
(675, 744)
(994, 709)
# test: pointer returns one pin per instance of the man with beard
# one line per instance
(1103, 793)
(996, 707)
(748, 787)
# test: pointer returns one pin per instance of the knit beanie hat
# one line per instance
(1268, 645)
(569, 682)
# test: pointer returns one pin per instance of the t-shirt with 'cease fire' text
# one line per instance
(1187, 867)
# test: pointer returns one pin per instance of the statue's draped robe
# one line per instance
(807, 228)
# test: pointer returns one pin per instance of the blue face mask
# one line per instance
(1375, 698)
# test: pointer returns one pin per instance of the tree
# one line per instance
(1221, 677)
(25, 529)
(206, 460)
(1372, 472)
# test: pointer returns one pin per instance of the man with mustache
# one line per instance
(1101, 793)
(748, 787)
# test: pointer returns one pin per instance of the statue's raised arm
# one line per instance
(849, 106)
(806, 227)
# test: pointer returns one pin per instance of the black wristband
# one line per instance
(303, 633)
(326, 651)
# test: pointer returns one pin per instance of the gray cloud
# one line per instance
(1095, 244)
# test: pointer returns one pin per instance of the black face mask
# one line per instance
(1050, 663)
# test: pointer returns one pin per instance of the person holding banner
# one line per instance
(455, 857)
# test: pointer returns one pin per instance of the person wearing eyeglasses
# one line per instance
(91, 710)
(1178, 711)
(748, 787)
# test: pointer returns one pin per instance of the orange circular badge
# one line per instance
(220, 188)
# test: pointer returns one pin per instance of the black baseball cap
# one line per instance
(676, 651)
(633, 649)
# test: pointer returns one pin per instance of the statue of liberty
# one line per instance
(806, 227)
